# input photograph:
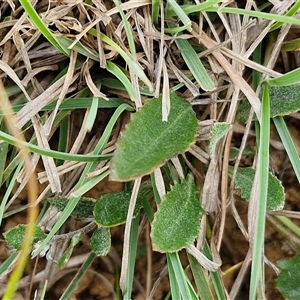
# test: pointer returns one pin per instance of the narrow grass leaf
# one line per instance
(217, 282)
(148, 141)
(175, 291)
(52, 153)
(128, 30)
(289, 278)
(92, 114)
(194, 64)
(292, 11)
(155, 11)
(9, 190)
(75, 281)
(101, 241)
(288, 79)
(181, 14)
(256, 277)
(195, 7)
(133, 242)
(288, 144)
(176, 223)
(116, 71)
(181, 279)
(246, 12)
(201, 280)
(38, 22)
(3, 154)
(133, 65)
(111, 209)
(8, 263)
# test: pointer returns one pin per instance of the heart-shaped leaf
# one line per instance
(148, 141)
(289, 278)
(15, 236)
(177, 220)
(111, 209)
(100, 241)
(244, 181)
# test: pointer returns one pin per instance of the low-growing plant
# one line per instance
(175, 160)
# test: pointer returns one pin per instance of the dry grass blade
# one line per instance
(34, 106)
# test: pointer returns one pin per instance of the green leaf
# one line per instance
(100, 241)
(283, 101)
(194, 64)
(244, 181)
(177, 221)
(15, 236)
(288, 280)
(84, 208)
(111, 209)
(148, 141)
(288, 79)
(218, 131)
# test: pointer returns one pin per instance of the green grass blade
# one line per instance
(128, 30)
(293, 10)
(180, 282)
(257, 268)
(116, 71)
(38, 22)
(200, 279)
(194, 63)
(133, 65)
(8, 191)
(6, 265)
(289, 144)
(155, 7)
(194, 8)
(208, 6)
(181, 14)
(3, 159)
(92, 114)
(75, 281)
(175, 291)
(215, 276)
(131, 258)
(52, 153)
(287, 79)
(76, 103)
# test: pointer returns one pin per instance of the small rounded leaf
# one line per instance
(100, 241)
(111, 209)
(177, 221)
